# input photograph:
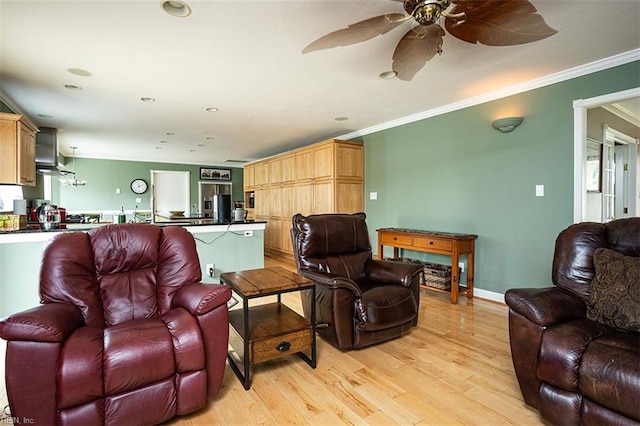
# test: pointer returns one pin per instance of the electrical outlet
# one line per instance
(211, 269)
(461, 266)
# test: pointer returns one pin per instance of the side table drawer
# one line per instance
(274, 347)
(391, 239)
(433, 243)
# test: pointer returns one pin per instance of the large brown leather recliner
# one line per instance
(574, 370)
(359, 301)
(126, 333)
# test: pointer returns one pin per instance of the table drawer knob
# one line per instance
(283, 347)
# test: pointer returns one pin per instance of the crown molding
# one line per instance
(623, 113)
(579, 71)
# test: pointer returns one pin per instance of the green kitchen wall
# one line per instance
(104, 177)
(455, 173)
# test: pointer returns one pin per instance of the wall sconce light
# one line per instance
(507, 124)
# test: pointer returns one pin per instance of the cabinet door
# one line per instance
(304, 198)
(261, 202)
(261, 174)
(285, 244)
(288, 202)
(304, 164)
(288, 168)
(349, 197)
(8, 147)
(26, 155)
(273, 234)
(274, 199)
(275, 171)
(349, 161)
(323, 162)
(248, 177)
(323, 197)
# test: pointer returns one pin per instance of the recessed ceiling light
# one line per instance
(72, 87)
(200, 144)
(212, 109)
(80, 72)
(158, 147)
(341, 118)
(192, 150)
(176, 8)
(45, 116)
(170, 133)
(163, 141)
(210, 138)
(388, 74)
(146, 99)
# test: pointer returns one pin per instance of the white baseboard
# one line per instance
(489, 295)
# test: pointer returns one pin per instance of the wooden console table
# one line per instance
(447, 243)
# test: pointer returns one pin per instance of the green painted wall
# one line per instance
(455, 173)
(104, 176)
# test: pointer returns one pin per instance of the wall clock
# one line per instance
(139, 186)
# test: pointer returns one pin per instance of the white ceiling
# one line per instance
(245, 58)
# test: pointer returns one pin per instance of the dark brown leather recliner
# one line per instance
(576, 370)
(362, 301)
(126, 333)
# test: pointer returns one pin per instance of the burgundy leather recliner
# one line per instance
(359, 301)
(573, 369)
(126, 333)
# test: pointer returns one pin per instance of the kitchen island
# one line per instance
(237, 246)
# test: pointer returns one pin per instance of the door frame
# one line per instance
(580, 107)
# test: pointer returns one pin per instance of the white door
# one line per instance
(619, 175)
(171, 191)
(608, 177)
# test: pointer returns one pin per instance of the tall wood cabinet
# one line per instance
(327, 177)
(18, 147)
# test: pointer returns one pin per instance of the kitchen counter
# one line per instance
(234, 247)
(194, 226)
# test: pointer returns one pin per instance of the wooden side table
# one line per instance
(268, 331)
(447, 243)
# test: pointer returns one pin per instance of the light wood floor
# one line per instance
(454, 368)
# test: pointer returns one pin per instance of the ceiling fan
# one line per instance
(489, 22)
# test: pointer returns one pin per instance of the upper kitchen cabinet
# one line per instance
(18, 147)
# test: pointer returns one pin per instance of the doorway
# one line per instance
(581, 147)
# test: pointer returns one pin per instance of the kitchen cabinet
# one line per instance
(327, 177)
(18, 147)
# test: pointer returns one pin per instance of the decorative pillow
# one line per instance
(614, 296)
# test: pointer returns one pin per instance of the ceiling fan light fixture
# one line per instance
(176, 8)
(507, 124)
(388, 74)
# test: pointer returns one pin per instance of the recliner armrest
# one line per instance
(200, 298)
(332, 281)
(545, 306)
(50, 322)
(389, 272)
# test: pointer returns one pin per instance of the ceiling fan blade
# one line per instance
(498, 22)
(418, 46)
(358, 32)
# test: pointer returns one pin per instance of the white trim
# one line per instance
(579, 71)
(488, 295)
(623, 113)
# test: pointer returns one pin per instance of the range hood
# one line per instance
(47, 152)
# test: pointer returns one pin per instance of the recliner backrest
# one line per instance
(573, 267)
(333, 243)
(116, 273)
